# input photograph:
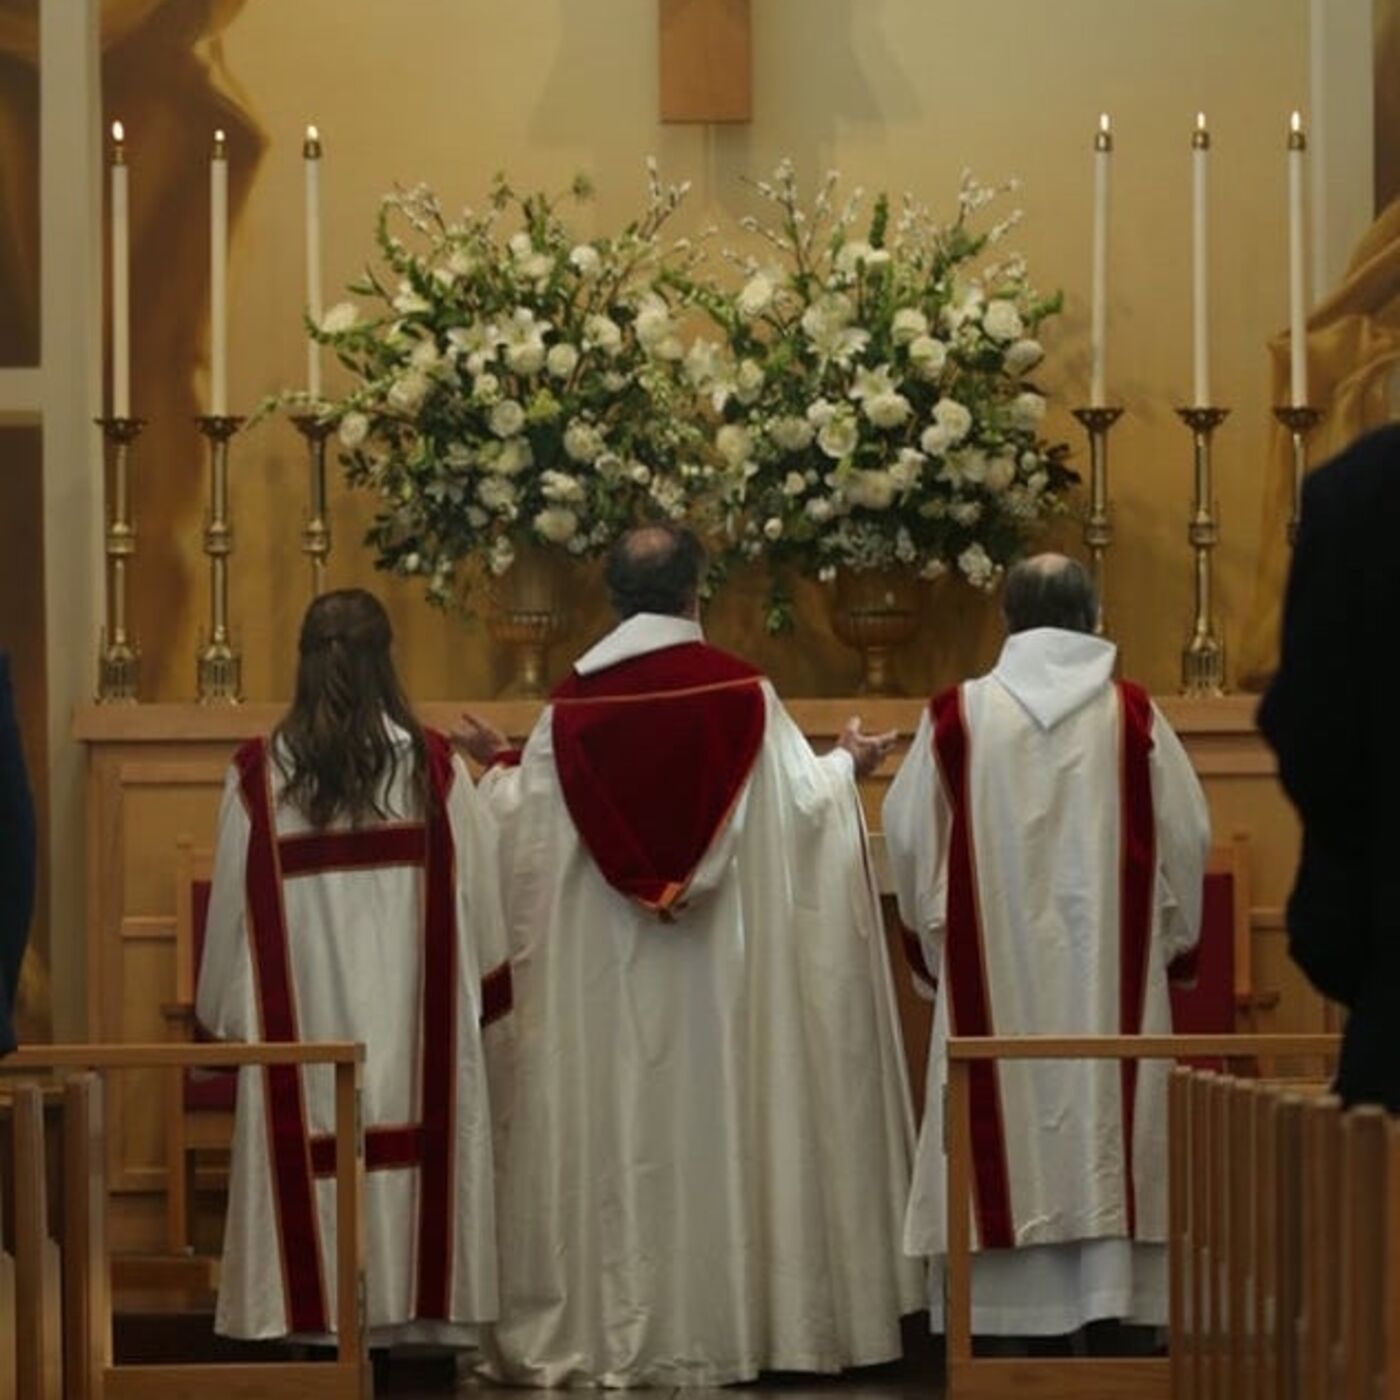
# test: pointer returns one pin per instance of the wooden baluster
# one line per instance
(350, 1225)
(1203, 1262)
(957, 1319)
(87, 1309)
(1265, 1244)
(1363, 1167)
(1322, 1127)
(1180, 1233)
(1287, 1237)
(1241, 1263)
(36, 1329)
(1390, 1383)
(1220, 1234)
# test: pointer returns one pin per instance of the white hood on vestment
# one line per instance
(1053, 673)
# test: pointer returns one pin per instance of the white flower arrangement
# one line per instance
(515, 385)
(870, 394)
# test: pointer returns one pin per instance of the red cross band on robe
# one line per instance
(969, 996)
(297, 1156)
(653, 755)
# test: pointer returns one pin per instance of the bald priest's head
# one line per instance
(656, 569)
(1050, 590)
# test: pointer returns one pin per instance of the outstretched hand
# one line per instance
(867, 751)
(480, 741)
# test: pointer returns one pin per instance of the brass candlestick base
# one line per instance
(1203, 657)
(1098, 528)
(1299, 421)
(219, 669)
(316, 534)
(119, 663)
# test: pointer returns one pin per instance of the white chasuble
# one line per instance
(1047, 836)
(391, 935)
(710, 1133)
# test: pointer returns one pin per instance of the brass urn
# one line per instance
(529, 610)
(876, 611)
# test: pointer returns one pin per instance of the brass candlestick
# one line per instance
(119, 666)
(1203, 658)
(1098, 528)
(220, 667)
(316, 535)
(1299, 421)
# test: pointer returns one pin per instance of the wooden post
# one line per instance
(1390, 1387)
(36, 1330)
(350, 1220)
(957, 1141)
(1265, 1244)
(1220, 1230)
(87, 1303)
(706, 58)
(1202, 1261)
(1287, 1242)
(1322, 1128)
(1182, 1350)
(1241, 1258)
(1363, 1147)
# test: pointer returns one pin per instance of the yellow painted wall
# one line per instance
(895, 93)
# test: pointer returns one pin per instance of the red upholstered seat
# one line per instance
(205, 1091)
(1202, 982)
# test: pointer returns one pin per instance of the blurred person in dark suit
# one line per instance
(1329, 715)
(16, 857)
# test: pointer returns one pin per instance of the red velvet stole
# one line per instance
(652, 755)
(297, 1156)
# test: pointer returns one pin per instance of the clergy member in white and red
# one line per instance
(1048, 836)
(354, 898)
(710, 1134)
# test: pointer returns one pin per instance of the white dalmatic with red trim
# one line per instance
(710, 1135)
(1048, 836)
(391, 935)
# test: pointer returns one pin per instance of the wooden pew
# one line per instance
(89, 1373)
(1210, 1211)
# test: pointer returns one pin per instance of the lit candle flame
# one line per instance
(219, 137)
(119, 132)
(1200, 121)
(1103, 122)
(312, 134)
(1296, 121)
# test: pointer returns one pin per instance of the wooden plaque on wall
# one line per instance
(706, 61)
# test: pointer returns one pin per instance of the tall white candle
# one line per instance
(1098, 321)
(1297, 286)
(121, 286)
(218, 277)
(311, 159)
(1200, 317)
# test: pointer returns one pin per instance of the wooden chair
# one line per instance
(199, 1106)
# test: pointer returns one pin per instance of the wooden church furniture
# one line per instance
(89, 1371)
(1201, 1193)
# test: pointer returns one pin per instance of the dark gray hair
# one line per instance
(655, 569)
(1050, 590)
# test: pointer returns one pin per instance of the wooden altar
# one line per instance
(154, 774)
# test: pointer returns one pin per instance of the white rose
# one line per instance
(1027, 410)
(409, 390)
(486, 388)
(748, 381)
(954, 418)
(1002, 321)
(511, 457)
(561, 360)
(906, 471)
(873, 490)
(557, 524)
(585, 260)
(791, 434)
(560, 486)
(582, 441)
(908, 325)
(343, 316)
(653, 323)
(507, 418)
(411, 563)
(773, 528)
(756, 296)
(496, 493)
(1001, 472)
(928, 356)
(970, 465)
(935, 440)
(935, 568)
(838, 438)
(520, 245)
(977, 566)
(537, 266)
(733, 444)
(794, 484)
(640, 473)
(820, 413)
(966, 512)
(887, 410)
(526, 357)
(602, 333)
(819, 509)
(1022, 356)
(852, 254)
(425, 355)
(354, 429)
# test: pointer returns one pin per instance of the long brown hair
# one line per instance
(333, 747)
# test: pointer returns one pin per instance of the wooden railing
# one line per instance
(1145, 1378)
(86, 1368)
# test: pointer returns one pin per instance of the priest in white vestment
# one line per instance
(1047, 836)
(354, 899)
(710, 1132)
